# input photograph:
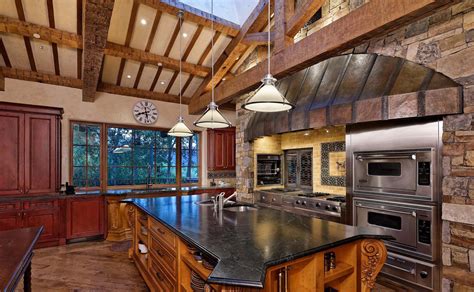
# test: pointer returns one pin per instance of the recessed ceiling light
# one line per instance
(42, 47)
(143, 21)
(160, 64)
(223, 79)
(36, 35)
(162, 82)
(306, 134)
(237, 58)
(129, 76)
(185, 35)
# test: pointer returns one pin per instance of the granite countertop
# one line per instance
(117, 192)
(245, 244)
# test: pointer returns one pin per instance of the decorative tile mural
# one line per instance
(333, 164)
(220, 174)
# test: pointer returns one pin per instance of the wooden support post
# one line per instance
(282, 41)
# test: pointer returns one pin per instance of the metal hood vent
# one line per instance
(356, 88)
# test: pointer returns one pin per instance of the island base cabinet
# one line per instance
(170, 265)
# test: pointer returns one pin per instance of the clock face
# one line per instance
(145, 112)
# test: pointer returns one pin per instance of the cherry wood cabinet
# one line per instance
(85, 217)
(30, 156)
(221, 149)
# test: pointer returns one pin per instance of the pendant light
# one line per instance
(267, 98)
(212, 118)
(180, 129)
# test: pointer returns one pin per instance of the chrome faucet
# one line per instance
(230, 197)
(220, 200)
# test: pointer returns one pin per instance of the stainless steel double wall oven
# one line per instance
(394, 178)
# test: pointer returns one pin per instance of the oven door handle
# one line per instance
(411, 271)
(413, 213)
(379, 157)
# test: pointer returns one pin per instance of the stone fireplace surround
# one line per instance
(444, 42)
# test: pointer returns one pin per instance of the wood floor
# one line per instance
(91, 266)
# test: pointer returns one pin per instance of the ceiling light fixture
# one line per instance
(223, 79)
(185, 35)
(212, 118)
(180, 129)
(129, 76)
(36, 36)
(160, 64)
(267, 98)
(143, 21)
(162, 82)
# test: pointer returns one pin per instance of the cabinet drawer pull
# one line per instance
(21, 191)
(19, 214)
(160, 253)
(27, 190)
(158, 274)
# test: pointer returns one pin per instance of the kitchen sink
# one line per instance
(205, 203)
(242, 208)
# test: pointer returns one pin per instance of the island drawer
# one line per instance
(160, 277)
(164, 235)
(163, 256)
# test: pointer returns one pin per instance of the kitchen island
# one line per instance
(176, 241)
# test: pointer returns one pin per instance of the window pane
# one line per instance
(79, 155)
(185, 142)
(79, 134)
(93, 135)
(93, 156)
(119, 176)
(119, 158)
(166, 175)
(140, 175)
(143, 156)
(93, 176)
(190, 159)
(119, 136)
(78, 173)
(142, 137)
(166, 157)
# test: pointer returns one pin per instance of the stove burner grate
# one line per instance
(340, 199)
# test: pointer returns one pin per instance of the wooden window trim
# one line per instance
(103, 157)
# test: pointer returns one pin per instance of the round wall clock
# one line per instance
(145, 112)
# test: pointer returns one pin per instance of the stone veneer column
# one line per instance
(243, 155)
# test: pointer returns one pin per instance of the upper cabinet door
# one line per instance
(40, 154)
(12, 157)
(230, 150)
(219, 150)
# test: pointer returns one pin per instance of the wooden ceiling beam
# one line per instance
(235, 48)
(2, 81)
(302, 15)
(258, 38)
(54, 46)
(281, 39)
(114, 89)
(9, 25)
(193, 15)
(347, 32)
(29, 51)
(29, 75)
(97, 14)
(128, 38)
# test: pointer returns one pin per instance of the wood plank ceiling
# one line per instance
(42, 40)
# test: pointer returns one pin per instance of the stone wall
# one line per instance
(443, 41)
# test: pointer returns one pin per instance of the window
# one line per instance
(190, 159)
(133, 156)
(86, 155)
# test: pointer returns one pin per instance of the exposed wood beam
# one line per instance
(97, 14)
(28, 75)
(15, 26)
(41, 77)
(128, 38)
(29, 51)
(72, 40)
(235, 48)
(54, 46)
(109, 88)
(79, 7)
(151, 37)
(257, 38)
(302, 15)
(2, 81)
(3, 51)
(347, 32)
(281, 40)
(193, 15)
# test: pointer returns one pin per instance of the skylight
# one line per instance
(236, 11)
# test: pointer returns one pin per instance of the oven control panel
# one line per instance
(424, 173)
(424, 231)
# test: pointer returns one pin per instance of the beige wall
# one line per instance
(278, 143)
(108, 108)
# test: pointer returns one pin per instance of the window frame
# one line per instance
(104, 156)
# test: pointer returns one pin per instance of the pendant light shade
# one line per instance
(212, 118)
(180, 129)
(267, 98)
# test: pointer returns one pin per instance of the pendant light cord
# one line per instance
(180, 62)
(212, 51)
(269, 35)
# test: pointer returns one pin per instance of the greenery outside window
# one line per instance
(86, 154)
(190, 159)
